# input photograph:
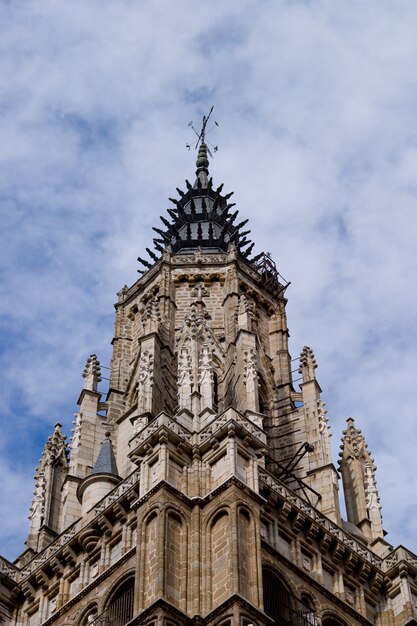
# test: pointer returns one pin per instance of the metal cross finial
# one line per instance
(201, 136)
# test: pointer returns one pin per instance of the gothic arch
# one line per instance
(150, 555)
(223, 622)
(242, 505)
(91, 610)
(124, 582)
(308, 599)
(331, 620)
(220, 547)
(176, 557)
(221, 508)
(246, 553)
(170, 509)
(119, 604)
(278, 598)
(154, 511)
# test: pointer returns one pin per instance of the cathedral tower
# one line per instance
(201, 490)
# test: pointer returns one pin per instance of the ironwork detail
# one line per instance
(266, 268)
(118, 613)
(284, 608)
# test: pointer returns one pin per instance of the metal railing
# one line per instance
(118, 613)
(284, 608)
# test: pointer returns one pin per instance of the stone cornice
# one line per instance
(70, 533)
(313, 583)
(79, 596)
(399, 561)
(306, 512)
(9, 570)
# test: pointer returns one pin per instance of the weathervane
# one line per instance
(201, 136)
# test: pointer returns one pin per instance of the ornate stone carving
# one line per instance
(8, 570)
(205, 378)
(195, 319)
(199, 292)
(250, 378)
(307, 365)
(323, 419)
(371, 493)
(76, 432)
(39, 496)
(358, 468)
(184, 378)
(145, 369)
(250, 373)
(151, 314)
(145, 382)
(53, 459)
(92, 373)
(206, 365)
(55, 450)
(240, 420)
(314, 514)
(246, 305)
(353, 442)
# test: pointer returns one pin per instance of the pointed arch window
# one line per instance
(284, 608)
(119, 608)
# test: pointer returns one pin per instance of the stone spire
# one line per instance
(103, 478)
(92, 373)
(88, 432)
(202, 218)
(106, 461)
(45, 511)
(322, 474)
(358, 473)
(308, 364)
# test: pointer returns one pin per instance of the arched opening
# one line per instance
(89, 616)
(220, 549)
(331, 621)
(277, 599)
(308, 611)
(119, 610)
(284, 608)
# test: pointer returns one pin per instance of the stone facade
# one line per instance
(202, 490)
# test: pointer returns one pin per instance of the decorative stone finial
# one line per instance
(92, 373)
(307, 364)
(358, 472)
(353, 442)
(54, 458)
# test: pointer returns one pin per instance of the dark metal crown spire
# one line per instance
(201, 138)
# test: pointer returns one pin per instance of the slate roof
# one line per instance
(106, 461)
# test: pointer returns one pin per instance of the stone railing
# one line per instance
(314, 514)
(397, 556)
(163, 419)
(228, 416)
(70, 532)
(8, 569)
(114, 495)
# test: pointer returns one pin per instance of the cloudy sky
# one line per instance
(317, 106)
